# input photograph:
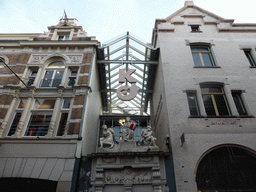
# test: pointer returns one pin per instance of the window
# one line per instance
(202, 56)
(32, 77)
(1, 65)
(195, 28)
(53, 75)
(63, 117)
(17, 116)
(40, 118)
(239, 102)
(193, 104)
(63, 37)
(72, 77)
(214, 99)
(249, 57)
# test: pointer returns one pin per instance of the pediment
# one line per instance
(195, 12)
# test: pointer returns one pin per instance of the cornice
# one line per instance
(58, 43)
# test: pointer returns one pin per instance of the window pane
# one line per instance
(207, 59)
(250, 58)
(47, 79)
(57, 78)
(213, 89)
(39, 124)
(199, 49)
(239, 104)
(208, 104)
(15, 123)
(66, 103)
(221, 104)
(62, 124)
(197, 59)
(192, 104)
(44, 104)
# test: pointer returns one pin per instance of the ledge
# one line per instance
(252, 66)
(209, 117)
(206, 67)
(105, 155)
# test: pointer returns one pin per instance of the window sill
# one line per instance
(209, 117)
(196, 31)
(252, 66)
(207, 67)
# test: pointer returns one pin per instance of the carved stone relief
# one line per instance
(75, 58)
(128, 175)
(37, 58)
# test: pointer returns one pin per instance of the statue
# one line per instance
(147, 137)
(108, 137)
(128, 130)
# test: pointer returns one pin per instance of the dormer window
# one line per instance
(63, 37)
(194, 28)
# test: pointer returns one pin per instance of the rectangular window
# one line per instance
(72, 78)
(64, 117)
(63, 37)
(202, 56)
(17, 116)
(32, 77)
(193, 104)
(195, 28)
(239, 102)
(40, 118)
(214, 99)
(52, 78)
(249, 57)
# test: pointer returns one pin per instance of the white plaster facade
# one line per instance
(177, 75)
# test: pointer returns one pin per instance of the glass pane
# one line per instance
(66, 38)
(44, 104)
(73, 73)
(197, 59)
(207, 59)
(62, 124)
(208, 104)
(47, 79)
(199, 49)
(38, 124)
(192, 104)
(66, 103)
(221, 104)
(239, 104)
(212, 89)
(57, 78)
(15, 123)
(22, 103)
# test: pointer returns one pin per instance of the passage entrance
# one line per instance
(227, 169)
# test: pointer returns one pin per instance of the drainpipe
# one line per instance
(79, 143)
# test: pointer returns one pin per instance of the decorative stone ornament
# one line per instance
(108, 137)
(127, 130)
(147, 138)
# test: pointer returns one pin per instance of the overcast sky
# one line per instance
(107, 19)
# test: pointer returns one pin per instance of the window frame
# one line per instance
(193, 93)
(33, 111)
(213, 99)
(242, 107)
(62, 111)
(55, 68)
(249, 56)
(195, 28)
(200, 53)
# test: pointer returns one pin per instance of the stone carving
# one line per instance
(146, 159)
(109, 160)
(37, 58)
(75, 59)
(128, 175)
(108, 137)
(127, 130)
(147, 138)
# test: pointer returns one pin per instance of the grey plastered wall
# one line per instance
(92, 111)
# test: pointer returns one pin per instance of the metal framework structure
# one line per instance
(126, 52)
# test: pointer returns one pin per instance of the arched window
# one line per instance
(53, 74)
(227, 169)
(214, 99)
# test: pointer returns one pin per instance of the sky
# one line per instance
(107, 19)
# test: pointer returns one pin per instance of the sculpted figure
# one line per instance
(127, 132)
(108, 137)
(147, 137)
